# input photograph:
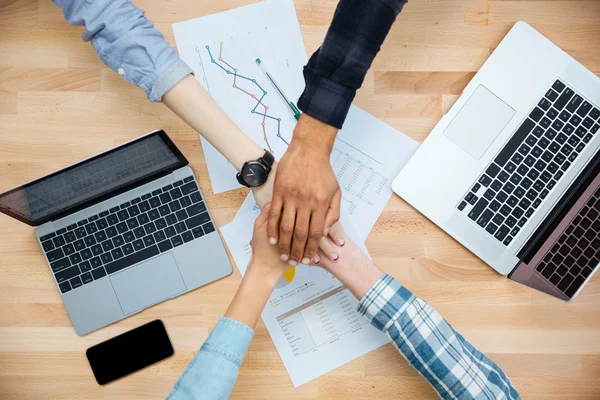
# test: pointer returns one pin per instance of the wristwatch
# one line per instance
(255, 173)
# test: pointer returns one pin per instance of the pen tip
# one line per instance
(258, 60)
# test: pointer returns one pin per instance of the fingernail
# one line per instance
(293, 263)
(272, 240)
(316, 260)
(334, 256)
(284, 257)
(305, 260)
(341, 241)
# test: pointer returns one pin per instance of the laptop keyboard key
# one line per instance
(86, 278)
(98, 273)
(138, 245)
(176, 193)
(165, 245)
(149, 240)
(208, 228)
(170, 232)
(181, 215)
(106, 258)
(153, 215)
(187, 236)
(502, 232)
(154, 202)
(189, 188)
(164, 210)
(195, 197)
(69, 249)
(127, 249)
(64, 287)
(112, 219)
(55, 255)
(116, 254)
(175, 206)
(67, 274)
(160, 236)
(171, 219)
(180, 227)
(150, 228)
(177, 240)
(204, 217)
(132, 259)
(139, 232)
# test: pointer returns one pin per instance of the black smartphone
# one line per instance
(129, 352)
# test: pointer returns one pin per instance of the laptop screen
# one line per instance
(92, 180)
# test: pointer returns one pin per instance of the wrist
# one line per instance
(358, 274)
(262, 276)
(314, 136)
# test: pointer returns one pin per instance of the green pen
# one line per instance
(292, 106)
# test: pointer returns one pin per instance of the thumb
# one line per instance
(263, 217)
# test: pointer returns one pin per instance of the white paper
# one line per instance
(310, 316)
(236, 38)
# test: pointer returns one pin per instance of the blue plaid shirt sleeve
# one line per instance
(454, 368)
(337, 69)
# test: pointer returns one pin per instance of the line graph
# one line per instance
(231, 70)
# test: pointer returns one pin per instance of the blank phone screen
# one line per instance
(129, 352)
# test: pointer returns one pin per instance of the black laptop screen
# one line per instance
(92, 180)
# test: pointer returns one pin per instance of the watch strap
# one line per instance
(268, 159)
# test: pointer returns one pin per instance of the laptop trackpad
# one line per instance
(479, 122)
(148, 283)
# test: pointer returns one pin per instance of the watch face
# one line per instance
(254, 174)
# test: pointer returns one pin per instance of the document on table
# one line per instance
(311, 317)
(222, 50)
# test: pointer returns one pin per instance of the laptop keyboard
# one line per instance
(531, 163)
(127, 234)
(576, 253)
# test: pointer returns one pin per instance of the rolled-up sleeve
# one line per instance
(337, 69)
(128, 43)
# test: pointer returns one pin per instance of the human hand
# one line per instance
(265, 257)
(306, 195)
(352, 266)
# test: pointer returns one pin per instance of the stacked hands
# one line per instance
(305, 196)
(351, 265)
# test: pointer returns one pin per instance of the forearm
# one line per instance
(452, 366)
(252, 295)
(214, 370)
(193, 104)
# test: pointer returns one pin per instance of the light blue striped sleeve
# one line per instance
(128, 43)
(212, 373)
(454, 367)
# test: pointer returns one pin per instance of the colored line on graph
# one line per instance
(234, 71)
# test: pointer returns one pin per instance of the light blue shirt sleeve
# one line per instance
(214, 370)
(128, 43)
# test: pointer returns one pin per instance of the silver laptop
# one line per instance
(122, 231)
(508, 165)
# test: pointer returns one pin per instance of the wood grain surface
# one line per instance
(60, 104)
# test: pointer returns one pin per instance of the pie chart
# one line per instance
(286, 278)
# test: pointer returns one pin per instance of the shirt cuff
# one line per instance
(169, 78)
(229, 339)
(324, 99)
(384, 302)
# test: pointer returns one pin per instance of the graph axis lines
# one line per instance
(259, 101)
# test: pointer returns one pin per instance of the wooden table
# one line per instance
(59, 104)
